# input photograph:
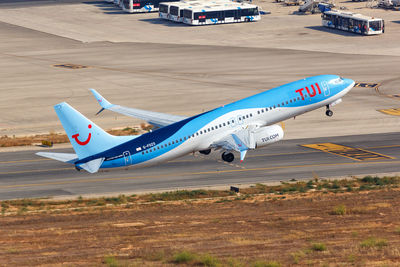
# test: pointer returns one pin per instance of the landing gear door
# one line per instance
(127, 158)
(325, 87)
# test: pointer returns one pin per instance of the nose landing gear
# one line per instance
(228, 157)
(328, 112)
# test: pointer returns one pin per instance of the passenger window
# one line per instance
(170, 143)
(262, 111)
(247, 116)
(224, 124)
(142, 153)
(233, 121)
(158, 147)
(258, 112)
(180, 140)
(147, 151)
(212, 128)
(251, 114)
(243, 117)
(197, 133)
(279, 105)
(208, 129)
(176, 140)
(220, 125)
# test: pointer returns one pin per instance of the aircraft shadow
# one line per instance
(396, 21)
(334, 31)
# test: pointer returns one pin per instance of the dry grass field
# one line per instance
(319, 223)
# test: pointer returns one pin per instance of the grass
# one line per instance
(318, 247)
(275, 192)
(373, 242)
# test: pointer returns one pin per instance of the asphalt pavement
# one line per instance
(25, 175)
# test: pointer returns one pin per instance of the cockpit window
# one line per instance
(337, 80)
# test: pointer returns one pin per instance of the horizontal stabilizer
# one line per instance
(64, 157)
(93, 165)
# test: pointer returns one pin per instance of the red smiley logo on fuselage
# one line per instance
(75, 136)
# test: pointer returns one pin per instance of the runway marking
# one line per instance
(348, 152)
(190, 160)
(391, 111)
(71, 66)
(25, 160)
(367, 85)
(42, 170)
(194, 173)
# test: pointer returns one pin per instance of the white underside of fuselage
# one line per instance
(204, 141)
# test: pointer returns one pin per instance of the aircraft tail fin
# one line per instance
(86, 137)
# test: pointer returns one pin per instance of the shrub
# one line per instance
(372, 242)
(318, 247)
(209, 260)
(111, 261)
(266, 264)
(183, 257)
(339, 210)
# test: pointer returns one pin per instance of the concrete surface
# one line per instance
(25, 175)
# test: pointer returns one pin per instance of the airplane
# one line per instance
(240, 126)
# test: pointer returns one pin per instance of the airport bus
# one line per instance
(351, 22)
(175, 11)
(221, 13)
(163, 10)
(140, 6)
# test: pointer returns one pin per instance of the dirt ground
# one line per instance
(299, 229)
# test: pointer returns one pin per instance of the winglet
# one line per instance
(101, 100)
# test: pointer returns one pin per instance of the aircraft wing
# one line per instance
(155, 118)
(240, 141)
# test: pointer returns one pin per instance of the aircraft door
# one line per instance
(127, 158)
(326, 89)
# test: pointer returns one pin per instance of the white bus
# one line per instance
(163, 10)
(221, 13)
(139, 6)
(175, 11)
(351, 22)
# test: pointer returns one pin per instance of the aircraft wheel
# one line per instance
(228, 157)
(205, 152)
(329, 113)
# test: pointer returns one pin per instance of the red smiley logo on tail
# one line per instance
(75, 136)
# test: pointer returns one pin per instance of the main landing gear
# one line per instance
(328, 112)
(205, 152)
(228, 157)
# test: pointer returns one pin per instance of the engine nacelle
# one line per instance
(268, 135)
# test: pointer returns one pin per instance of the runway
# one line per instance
(25, 175)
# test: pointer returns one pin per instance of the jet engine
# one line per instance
(268, 135)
